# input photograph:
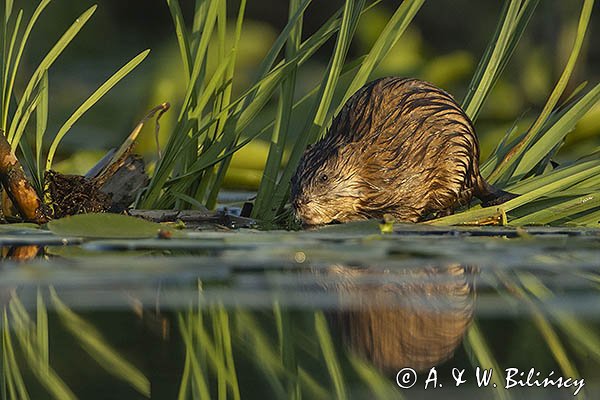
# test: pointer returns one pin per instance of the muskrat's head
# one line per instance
(327, 186)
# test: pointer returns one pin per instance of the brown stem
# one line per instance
(17, 186)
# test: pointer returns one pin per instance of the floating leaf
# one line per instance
(105, 226)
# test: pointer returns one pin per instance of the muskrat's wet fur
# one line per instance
(399, 146)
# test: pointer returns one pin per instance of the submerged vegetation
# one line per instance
(214, 122)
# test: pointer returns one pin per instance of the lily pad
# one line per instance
(105, 225)
(23, 226)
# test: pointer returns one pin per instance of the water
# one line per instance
(333, 313)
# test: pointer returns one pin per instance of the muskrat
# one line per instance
(399, 146)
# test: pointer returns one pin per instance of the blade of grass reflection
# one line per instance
(219, 357)
(212, 349)
(223, 317)
(286, 349)
(198, 382)
(481, 356)
(96, 346)
(379, 385)
(270, 364)
(329, 356)
(13, 378)
(260, 352)
(42, 329)
(544, 327)
(25, 332)
(185, 377)
(577, 332)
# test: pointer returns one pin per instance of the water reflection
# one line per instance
(265, 315)
(413, 317)
(21, 253)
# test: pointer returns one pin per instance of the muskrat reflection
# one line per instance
(414, 317)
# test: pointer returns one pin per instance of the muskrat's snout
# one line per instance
(301, 209)
(306, 211)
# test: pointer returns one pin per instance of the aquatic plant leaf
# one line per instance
(560, 211)
(48, 60)
(95, 345)
(556, 133)
(182, 35)
(93, 99)
(390, 35)
(521, 148)
(9, 79)
(511, 24)
(105, 225)
(560, 182)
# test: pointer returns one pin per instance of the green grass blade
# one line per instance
(477, 347)
(555, 134)
(350, 16)
(560, 211)
(289, 31)
(380, 386)
(184, 387)
(197, 374)
(557, 92)
(44, 65)
(223, 319)
(553, 186)
(42, 329)
(17, 61)
(25, 120)
(24, 331)
(41, 119)
(579, 333)
(545, 328)
(6, 62)
(329, 356)
(592, 220)
(282, 120)
(316, 118)
(93, 99)
(196, 77)
(15, 379)
(511, 25)
(182, 36)
(388, 38)
(95, 345)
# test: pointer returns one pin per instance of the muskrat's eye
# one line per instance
(324, 178)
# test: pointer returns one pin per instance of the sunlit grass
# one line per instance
(17, 110)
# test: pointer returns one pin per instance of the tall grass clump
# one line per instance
(26, 109)
(521, 162)
(213, 123)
